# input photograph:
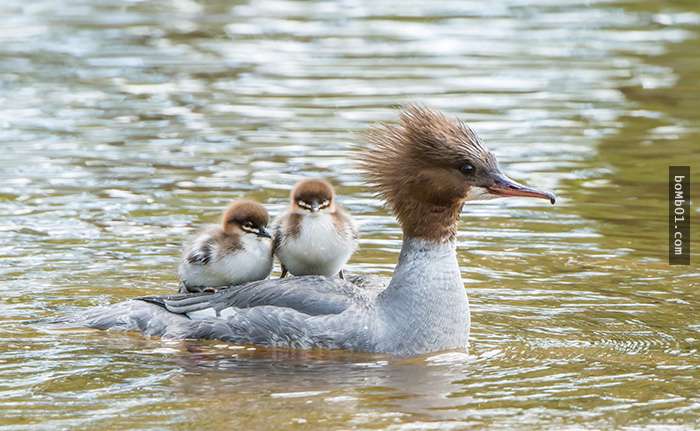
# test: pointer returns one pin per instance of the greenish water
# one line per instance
(126, 125)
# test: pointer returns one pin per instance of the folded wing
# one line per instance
(311, 295)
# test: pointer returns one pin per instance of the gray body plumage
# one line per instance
(423, 309)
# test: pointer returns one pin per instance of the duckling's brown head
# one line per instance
(246, 217)
(428, 165)
(313, 196)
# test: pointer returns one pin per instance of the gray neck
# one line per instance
(425, 307)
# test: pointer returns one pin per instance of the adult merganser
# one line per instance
(315, 236)
(425, 167)
(237, 251)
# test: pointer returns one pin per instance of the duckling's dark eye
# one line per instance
(467, 169)
(247, 224)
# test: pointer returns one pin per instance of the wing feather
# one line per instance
(201, 254)
(311, 295)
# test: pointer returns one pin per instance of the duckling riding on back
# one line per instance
(315, 236)
(237, 251)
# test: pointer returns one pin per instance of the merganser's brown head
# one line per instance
(428, 165)
(313, 196)
(246, 217)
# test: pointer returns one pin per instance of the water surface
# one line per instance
(124, 126)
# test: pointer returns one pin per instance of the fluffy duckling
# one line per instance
(235, 252)
(315, 236)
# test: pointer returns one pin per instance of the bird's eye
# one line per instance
(247, 224)
(467, 169)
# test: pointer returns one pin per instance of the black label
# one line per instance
(679, 215)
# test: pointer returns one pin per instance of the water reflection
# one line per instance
(126, 125)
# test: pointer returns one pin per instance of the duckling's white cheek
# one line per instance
(479, 194)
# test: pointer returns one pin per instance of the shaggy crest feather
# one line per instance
(423, 140)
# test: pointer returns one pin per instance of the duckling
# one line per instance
(239, 250)
(315, 236)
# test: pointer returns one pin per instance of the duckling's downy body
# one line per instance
(425, 167)
(314, 236)
(237, 251)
